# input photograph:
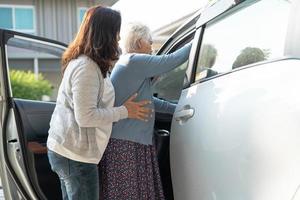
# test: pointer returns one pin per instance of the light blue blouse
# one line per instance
(132, 74)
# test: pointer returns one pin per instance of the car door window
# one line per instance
(169, 85)
(244, 37)
(34, 69)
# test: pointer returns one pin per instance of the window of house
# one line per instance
(18, 18)
(81, 12)
(168, 86)
(244, 37)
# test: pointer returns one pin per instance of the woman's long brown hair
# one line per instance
(97, 38)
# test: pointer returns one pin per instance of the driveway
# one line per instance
(1, 192)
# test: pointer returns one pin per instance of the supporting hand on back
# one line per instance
(138, 110)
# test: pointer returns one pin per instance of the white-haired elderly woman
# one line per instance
(129, 166)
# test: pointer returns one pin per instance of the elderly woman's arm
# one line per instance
(152, 65)
(163, 106)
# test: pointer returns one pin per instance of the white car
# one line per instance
(235, 134)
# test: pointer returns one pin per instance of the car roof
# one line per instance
(210, 11)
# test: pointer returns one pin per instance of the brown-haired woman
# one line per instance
(82, 120)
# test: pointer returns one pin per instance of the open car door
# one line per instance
(25, 170)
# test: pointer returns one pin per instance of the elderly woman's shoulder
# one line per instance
(135, 57)
(125, 59)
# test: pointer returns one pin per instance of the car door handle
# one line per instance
(186, 113)
(15, 144)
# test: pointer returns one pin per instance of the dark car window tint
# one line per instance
(168, 86)
(247, 36)
(34, 69)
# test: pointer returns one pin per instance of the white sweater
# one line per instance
(81, 124)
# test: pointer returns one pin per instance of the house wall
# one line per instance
(55, 19)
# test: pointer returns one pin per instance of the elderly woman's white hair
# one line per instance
(134, 32)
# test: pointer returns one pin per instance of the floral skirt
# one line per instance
(129, 171)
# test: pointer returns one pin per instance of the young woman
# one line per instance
(82, 120)
(129, 168)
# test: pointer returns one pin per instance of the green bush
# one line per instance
(26, 86)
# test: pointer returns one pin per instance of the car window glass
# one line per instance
(168, 86)
(34, 69)
(244, 37)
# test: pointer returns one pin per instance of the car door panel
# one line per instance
(243, 139)
(35, 117)
(25, 170)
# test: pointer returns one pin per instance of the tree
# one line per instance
(208, 56)
(26, 86)
(250, 55)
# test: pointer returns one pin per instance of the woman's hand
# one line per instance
(138, 110)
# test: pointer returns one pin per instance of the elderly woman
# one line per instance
(129, 167)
